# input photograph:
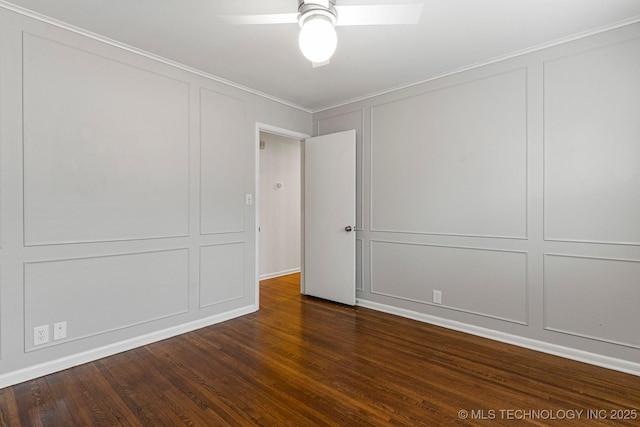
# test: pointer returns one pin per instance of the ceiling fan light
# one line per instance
(318, 38)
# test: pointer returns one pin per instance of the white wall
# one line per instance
(514, 189)
(122, 211)
(279, 206)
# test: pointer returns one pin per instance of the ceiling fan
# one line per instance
(318, 18)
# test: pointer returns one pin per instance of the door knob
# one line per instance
(348, 228)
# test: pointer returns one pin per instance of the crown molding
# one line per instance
(63, 25)
(493, 60)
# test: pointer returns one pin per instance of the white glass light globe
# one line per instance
(318, 39)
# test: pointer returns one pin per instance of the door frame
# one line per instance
(263, 127)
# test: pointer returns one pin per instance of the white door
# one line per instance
(330, 217)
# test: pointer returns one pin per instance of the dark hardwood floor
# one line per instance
(301, 361)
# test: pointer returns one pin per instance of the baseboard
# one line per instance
(47, 368)
(279, 273)
(544, 347)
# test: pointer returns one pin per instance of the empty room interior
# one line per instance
(319, 212)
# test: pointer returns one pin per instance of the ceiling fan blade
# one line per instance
(275, 18)
(379, 14)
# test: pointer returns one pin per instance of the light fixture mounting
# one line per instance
(306, 7)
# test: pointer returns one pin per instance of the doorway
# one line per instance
(280, 206)
(326, 212)
(277, 186)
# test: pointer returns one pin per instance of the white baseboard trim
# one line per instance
(544, 347)
(67, 362)
(279, 273)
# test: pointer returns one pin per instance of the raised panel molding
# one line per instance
(456, 157)
(100, 294)
(221, 273)
(493, 282)
(222, 160)
(592, 297)
(106, 148)
(591, 150)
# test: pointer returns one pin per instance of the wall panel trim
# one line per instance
(595, 242)
(112, 59)
(200, 305)
(119, 254)
(544, 300)
(527, 303)
(525, 234)
(53, 343)
(201, 176)
(546, 237)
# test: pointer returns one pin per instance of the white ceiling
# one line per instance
(452, 34)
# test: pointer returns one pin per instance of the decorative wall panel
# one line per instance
(593, 297)
(453, 161)
(592, 153)
(491, 283)
(222, 156)
(221, 273)
(101, 294)
(106, 148)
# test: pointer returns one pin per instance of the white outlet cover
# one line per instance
(437, 297)
(41, 335)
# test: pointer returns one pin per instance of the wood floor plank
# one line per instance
(8, 408)
(302, 361)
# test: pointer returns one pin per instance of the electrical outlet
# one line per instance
(59, 330)
(248, 199)
(437, 297)
(41, 335)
